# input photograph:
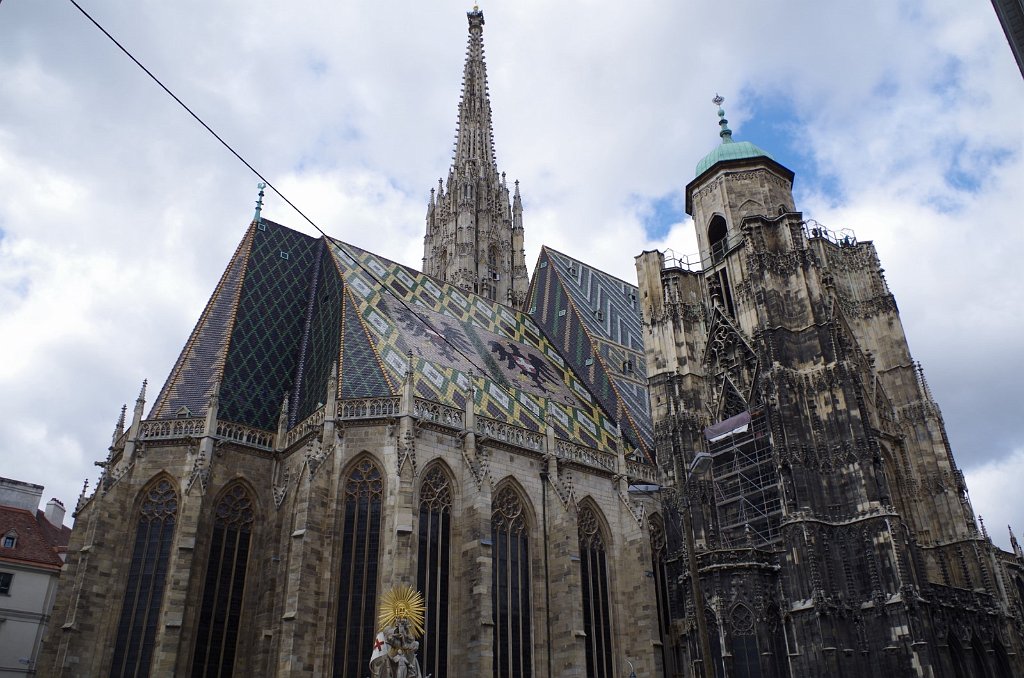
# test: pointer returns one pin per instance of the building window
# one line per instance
(745, 655)
(217, 632)
(433, 565)
(596, 608)
(10, 539)
(363, 497)
(659, 565)
(5, 583)
(717, 238)
(147, 571)
(510, 587)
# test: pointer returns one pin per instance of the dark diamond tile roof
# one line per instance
(263, 355)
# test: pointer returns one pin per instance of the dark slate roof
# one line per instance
(594, 318)
(290, 306)
(37, 541)
(251, 335)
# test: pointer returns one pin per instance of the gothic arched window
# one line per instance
(717, 241)
(147, 572)
(659, 565)
(362, 502)
(596, 600)
(219, 618)
(746, 660)
(510, 587)
(433, 564)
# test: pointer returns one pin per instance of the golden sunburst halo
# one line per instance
(403, 602)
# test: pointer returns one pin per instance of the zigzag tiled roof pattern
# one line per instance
(457, 339)
(595, 320)
(290, 306)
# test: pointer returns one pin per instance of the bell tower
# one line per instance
(474, 230)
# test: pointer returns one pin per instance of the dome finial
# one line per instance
(726, 133)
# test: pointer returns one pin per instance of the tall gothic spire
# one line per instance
(474, 232)
(474, 135)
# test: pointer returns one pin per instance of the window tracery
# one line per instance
(510, 590)
(362, 505)
(144, 589)
(434, 564)
(596, 599)
(217, 628)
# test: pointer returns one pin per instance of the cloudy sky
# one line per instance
(902, 121)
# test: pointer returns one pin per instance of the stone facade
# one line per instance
(291, 589)
(834, 533)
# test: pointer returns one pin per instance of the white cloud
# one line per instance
(995, 495)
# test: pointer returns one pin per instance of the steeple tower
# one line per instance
(474, 234)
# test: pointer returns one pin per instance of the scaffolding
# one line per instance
(746, 482)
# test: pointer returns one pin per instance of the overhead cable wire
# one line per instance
(334, 241)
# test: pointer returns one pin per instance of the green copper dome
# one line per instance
(729, 149)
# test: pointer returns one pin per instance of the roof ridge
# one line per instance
(590, 266)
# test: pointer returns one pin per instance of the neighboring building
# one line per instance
(32, 548)
(1011, 16)
(338, 424)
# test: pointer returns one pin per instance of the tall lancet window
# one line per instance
(147, 572)
(433, 564)
(596, 607)
(659, 565)
(362, 497)
(217, 630)
(510, 587)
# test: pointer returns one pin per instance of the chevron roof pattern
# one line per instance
(595, 321)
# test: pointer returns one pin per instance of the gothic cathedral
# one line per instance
(732, 468)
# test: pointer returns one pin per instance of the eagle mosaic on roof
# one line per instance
(458, 340)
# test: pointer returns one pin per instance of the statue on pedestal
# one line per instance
(401, 621)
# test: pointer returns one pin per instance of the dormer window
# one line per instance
(10, 539)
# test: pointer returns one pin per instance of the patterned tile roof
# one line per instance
(290, 306)
(457, 339)
(595, 320)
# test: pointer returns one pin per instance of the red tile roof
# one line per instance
(37, 540)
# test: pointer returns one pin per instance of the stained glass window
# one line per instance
(144, 590)
(596, 607)
(510, 587)
(433, 564)
(362, 497)
(217, 630)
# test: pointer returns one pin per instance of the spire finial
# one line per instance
(142, 392)
(725, 133)
(259, 201)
